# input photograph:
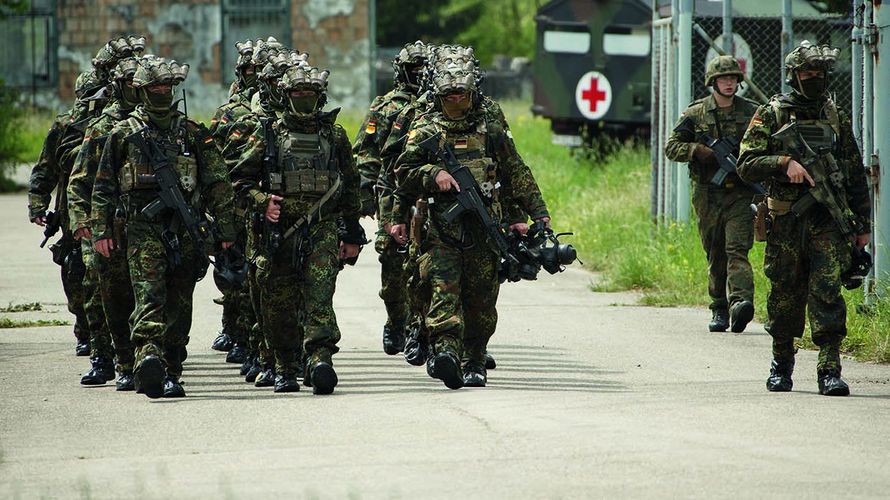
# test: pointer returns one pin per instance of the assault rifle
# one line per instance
(829, 180)
(53, 224)
(170, 198)
(725, 148)
(271, 230)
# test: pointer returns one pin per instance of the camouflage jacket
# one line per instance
(211, 182)
(83, 173)
(762, 160)
(229, 113)
(53, 166)
(248, 171)
(416, 169)
(702, 117)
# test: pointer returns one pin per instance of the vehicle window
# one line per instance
(568, 42)
(626, 42)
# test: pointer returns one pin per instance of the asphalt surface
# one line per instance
(593, 397)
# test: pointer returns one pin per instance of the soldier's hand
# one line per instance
(273, 209)
(104, 246)
(399, 232)
(348, 250)
(40, 221)
(519, 227)
(445, 182)
(226, 244)
(704, 155)
(83, 232)
(546, 221)
(862, 240)
(797, 174)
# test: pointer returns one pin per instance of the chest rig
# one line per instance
(138, 173)
(304, 164)
(471, 150)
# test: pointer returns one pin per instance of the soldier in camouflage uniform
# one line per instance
(299, 177)
(725, 221)
(380, 179)
(459, 262)
(266, 105)
(164, 261)
(109, 295)
(237, 317)
(51, 173)
(806, 251)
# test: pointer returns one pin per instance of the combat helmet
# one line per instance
(723, 66)
(408, 65)
(121, 81)
(304, 78)
(454, 69)
(87, 83)
(115, 50)
(272, 72)
(808, 56)
(154, 70)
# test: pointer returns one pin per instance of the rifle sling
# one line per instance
(313, 211)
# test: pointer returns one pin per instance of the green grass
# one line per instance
(606, 205)
(28, 323)
(35, 125)
(14, 308)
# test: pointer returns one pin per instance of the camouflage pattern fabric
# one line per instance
(804, 255)
(725, 221)
(162, 316)
(100, 335)
(463, 280)
(294, 295)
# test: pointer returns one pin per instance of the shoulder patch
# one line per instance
(756, 120)
(371, 127)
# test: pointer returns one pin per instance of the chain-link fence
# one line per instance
(664, 104)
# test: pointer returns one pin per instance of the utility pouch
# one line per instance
(418, 219)
(761, 218)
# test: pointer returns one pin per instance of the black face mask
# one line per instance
(302, 105)
(248, 79)
(129, 96)
(813, 87)
(154, 101)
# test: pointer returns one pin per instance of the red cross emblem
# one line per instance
(593, 94)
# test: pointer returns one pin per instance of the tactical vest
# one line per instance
(471, 148)
(304, 164)
(138, 174)
(820, 134)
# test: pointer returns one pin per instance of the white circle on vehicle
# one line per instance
(742, 52)
(593, 95)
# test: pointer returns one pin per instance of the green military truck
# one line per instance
(592, 68)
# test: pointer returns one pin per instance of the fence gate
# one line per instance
(664, 112)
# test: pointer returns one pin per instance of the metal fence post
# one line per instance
(787, 39)
(880, 157)
(856, 72)
(728, 41)
(684, 96)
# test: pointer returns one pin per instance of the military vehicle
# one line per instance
(592, 68)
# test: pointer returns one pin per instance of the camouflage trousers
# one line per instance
(726, 226)
(418, 292)
(464, 290)
(393, 279)
(117, 302)
(73, 287)
(162, 318)
(238, 316)
(804, 260)
(256, 338)
(296, 297)
(100, 335)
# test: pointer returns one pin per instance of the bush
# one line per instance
(11, 147)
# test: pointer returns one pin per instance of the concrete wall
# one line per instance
(334, 32)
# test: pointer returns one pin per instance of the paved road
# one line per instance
(593, 397)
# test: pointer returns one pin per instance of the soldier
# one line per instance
(51, 172)
(458, 260)
(299, 177)
(237, 310)
(379, 178)
(725, 220)
(808, 244)
(107, 281)
(166, 251)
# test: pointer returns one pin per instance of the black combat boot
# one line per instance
(102, 371)
(475, 374)
(248, 362)
(286, 382)
(740, 315)
(719, 321)
(266, 378)
(255, 369)
(173, 387)
(322, 378)
(831, 384)
(490, 363)
(125, 381)
(222, 342)
(393, 339)
(780, 375)
(82, 348)
(148, 378)
(416, 348)
(236, 354)
(445, 366)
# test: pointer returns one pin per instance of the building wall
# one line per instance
(334, 32)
